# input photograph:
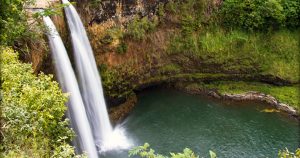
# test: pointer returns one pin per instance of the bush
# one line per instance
(292, 13)
(12, 21)
(138, 28)
(161, 10)
(287, 154)
(122, 48)
(146, 152)
(115, 84)
(33, 109)
(260, 14)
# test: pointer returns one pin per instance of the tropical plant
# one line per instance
(138, 28)
(260, 14)
(146, 152)
(13, 21)
(287, 154)
(33, 109)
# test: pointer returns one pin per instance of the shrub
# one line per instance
(12, 21)
(287, 154)
(114, 82)
(171, 7)
(260, 14)
(146, 152)
(292, 13)
(33, 109)
(107, 39)
(122, 48)
(161, 10)
(116, 33)
(138, 28)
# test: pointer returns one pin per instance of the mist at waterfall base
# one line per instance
(68, 82)
(171, 121)
(105, 137)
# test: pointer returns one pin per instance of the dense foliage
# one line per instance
(261, 14)
(235, 51)
(202, 38)
(33, 108)
(13, 24)
(137, 28)
(287, 154)
(146, 152)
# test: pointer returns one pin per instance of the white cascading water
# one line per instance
(68, 82)
(105, 136)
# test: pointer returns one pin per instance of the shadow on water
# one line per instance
(170, 121)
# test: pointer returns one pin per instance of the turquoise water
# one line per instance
(171, 121)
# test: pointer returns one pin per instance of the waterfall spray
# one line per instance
(91, 87)
(68, 82)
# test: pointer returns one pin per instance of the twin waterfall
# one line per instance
(67, 79)
(87, 109)
(89, 80)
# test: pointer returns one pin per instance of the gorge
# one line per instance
(238, 77)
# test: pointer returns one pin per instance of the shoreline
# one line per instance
(121, 111)
(252, 96)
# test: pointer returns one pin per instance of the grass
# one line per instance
(170, 68)
(285, 94)
(274, 53)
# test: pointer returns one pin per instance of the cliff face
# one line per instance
(40, 56)
(101, 11)
(143, 42)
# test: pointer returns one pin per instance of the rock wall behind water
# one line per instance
(101, 11)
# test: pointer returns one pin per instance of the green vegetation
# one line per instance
(13, 24)
(138, 28)
(115, 33)
(170, 68)
(114, 82)
(202, 36)
(285, 94)
(54, 10)
(161, 10)
(287, 154)
(33, 108)
(146, 152)
(261, 14)
(122, 48)
(239, 37)
(241, 52)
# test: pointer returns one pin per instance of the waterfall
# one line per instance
(68, 82)
(91, 87)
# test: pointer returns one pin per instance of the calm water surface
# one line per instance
(171, 121)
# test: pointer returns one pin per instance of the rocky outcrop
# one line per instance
(248, 96)
(257, 96)
(118, 113)
(102, 11)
